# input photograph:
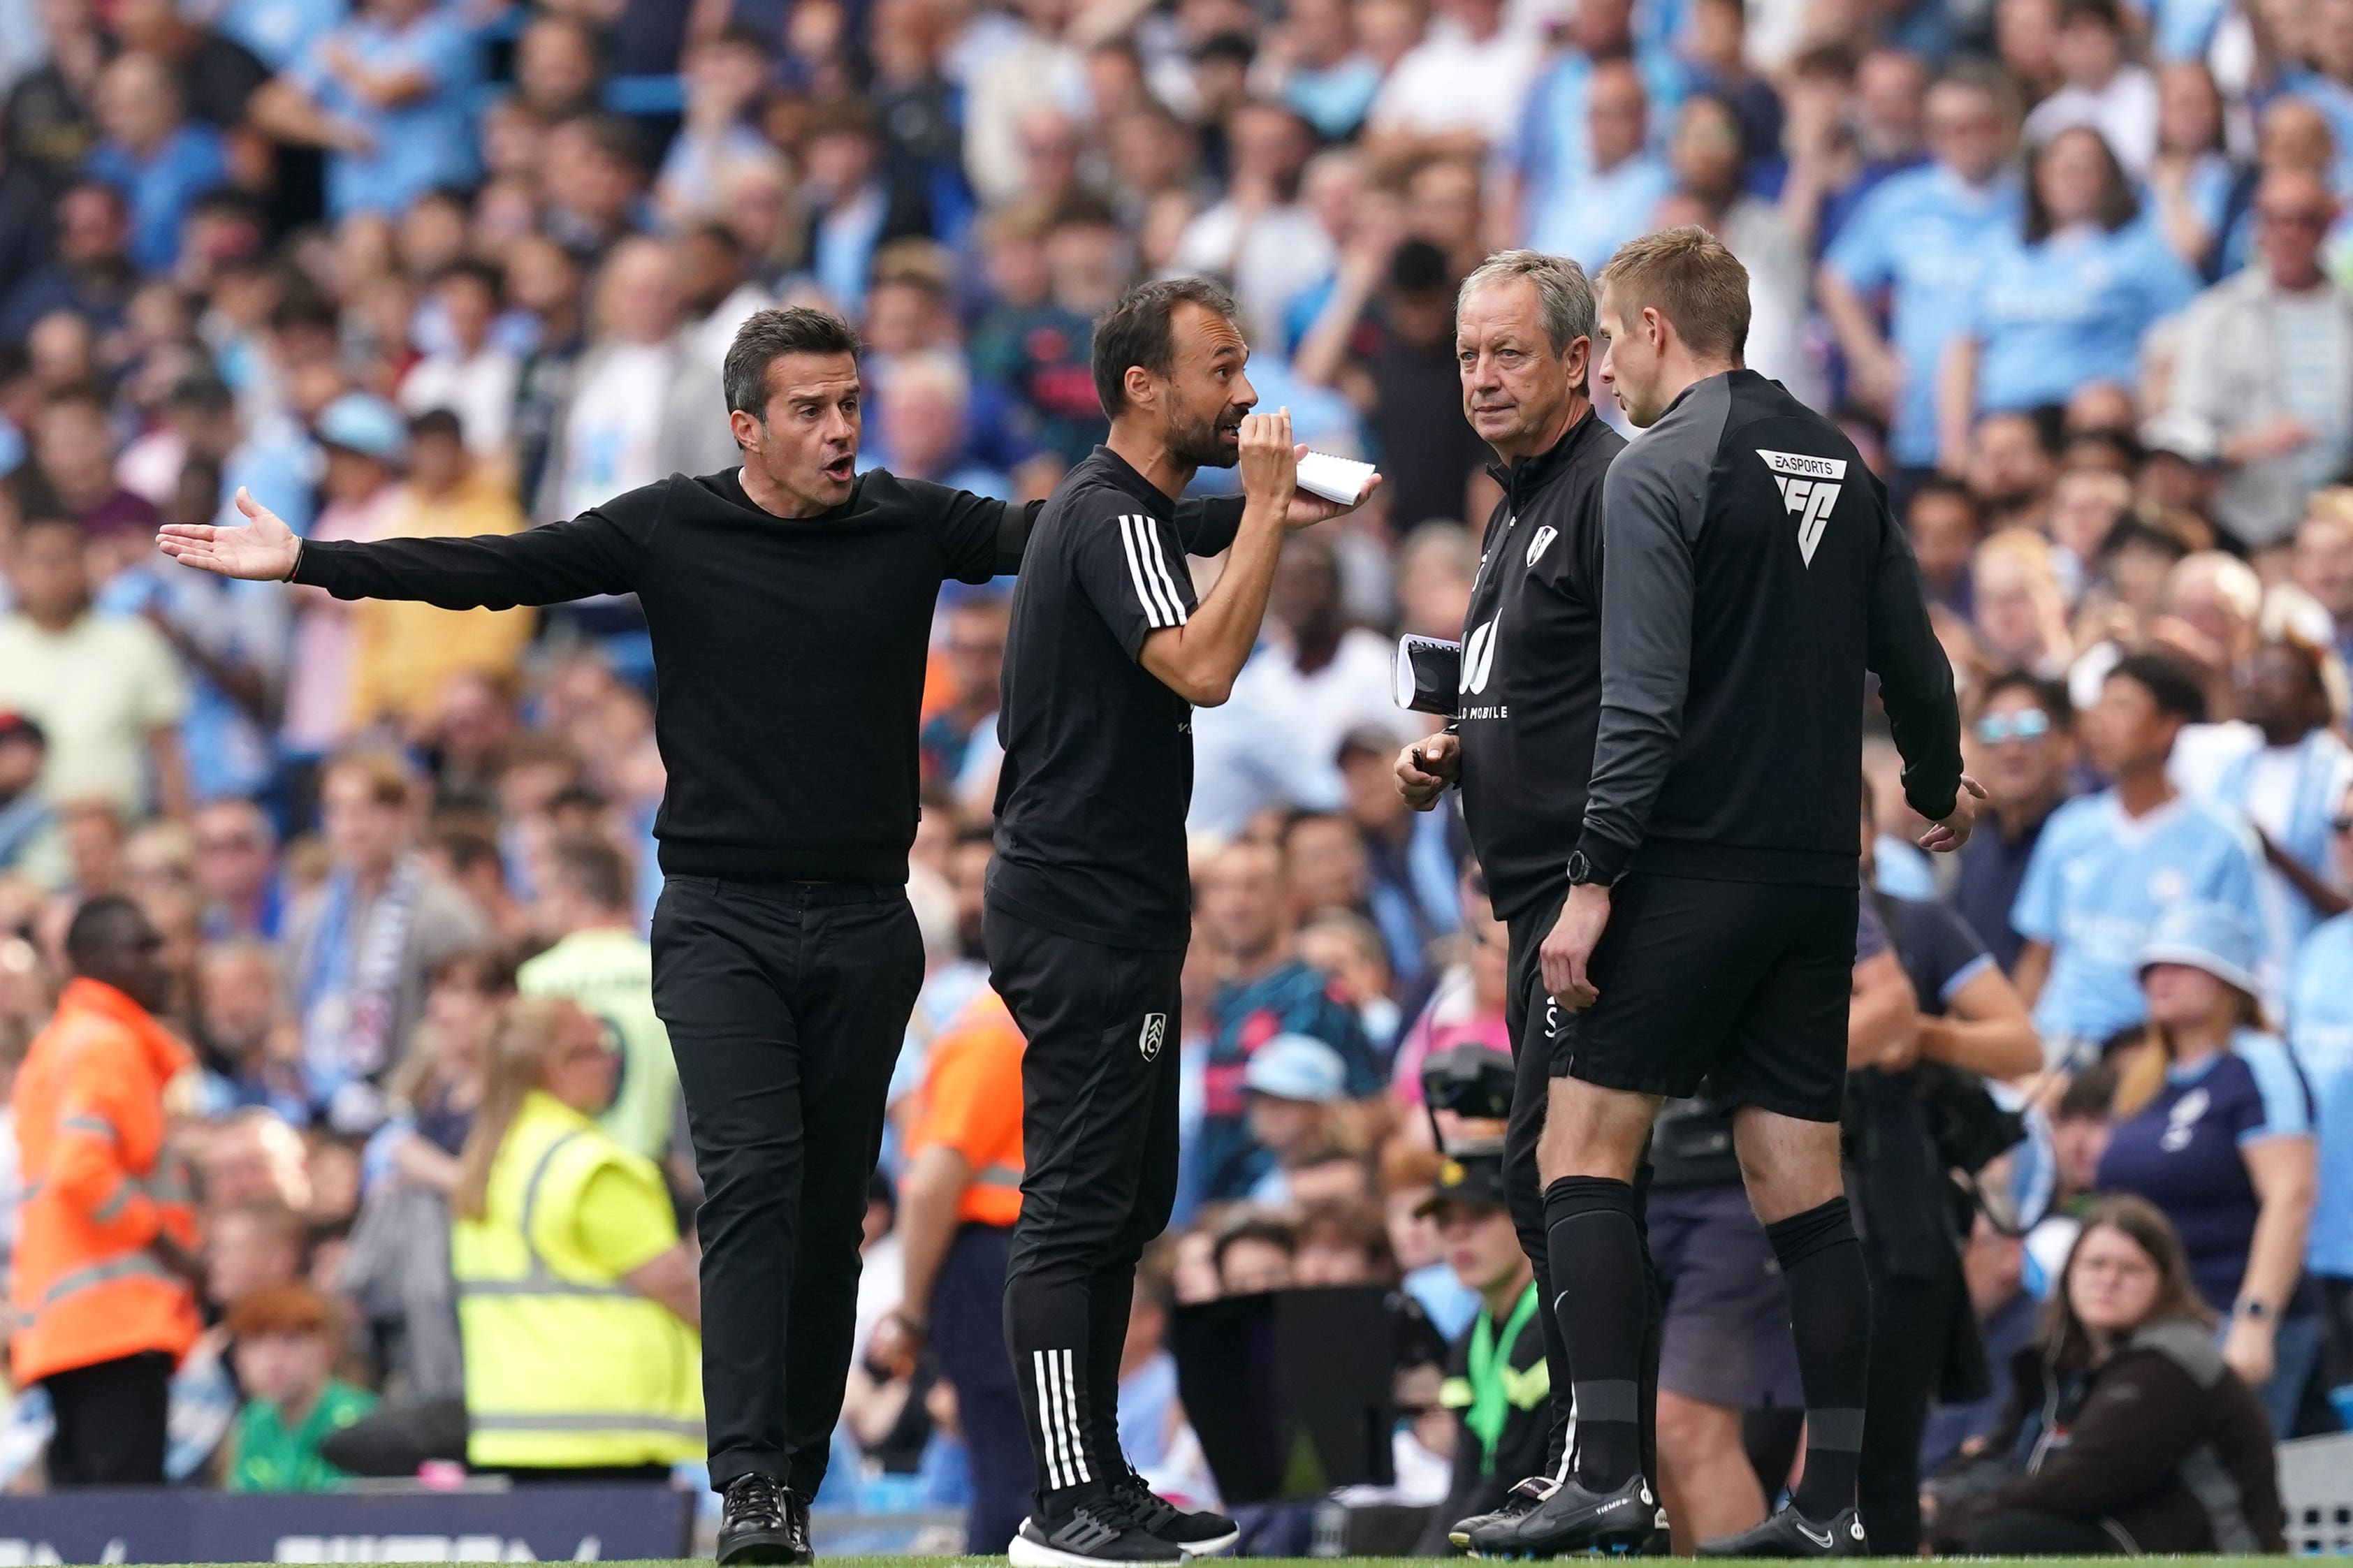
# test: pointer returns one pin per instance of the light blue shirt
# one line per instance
(160, 189)
(2095, 886)
(2052, 316)
(1553, 151)
(2320, 1032)
(280, 32)
(427, 142)
(1924, 236)
(1588, 219)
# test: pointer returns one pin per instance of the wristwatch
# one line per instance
(1580, 868)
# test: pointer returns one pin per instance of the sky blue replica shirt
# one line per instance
(2071, 309)
(1923, 238)
(2320, 1031)
(158, 189)
(426, 143)
(2097, 882)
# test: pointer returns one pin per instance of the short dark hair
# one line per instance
(1253, 1224)
(1140, 331)
(98, 926)
(474, 269)
(596, 870)
(2173, 688)
(2051, 695)
(1939, 487)
(442, 422)
(767, 336)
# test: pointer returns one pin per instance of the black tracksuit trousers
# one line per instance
(785, 1004)
(1099, 1084)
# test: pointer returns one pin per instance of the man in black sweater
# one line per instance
(1089, 900)
(790, 603)
(1709, 937)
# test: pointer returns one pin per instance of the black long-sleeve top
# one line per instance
(1752, 575)
(789, 652)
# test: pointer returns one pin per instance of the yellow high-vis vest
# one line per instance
(565, 1365)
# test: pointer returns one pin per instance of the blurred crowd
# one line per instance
(2075, 275)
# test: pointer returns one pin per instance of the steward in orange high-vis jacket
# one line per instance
(103, 1310)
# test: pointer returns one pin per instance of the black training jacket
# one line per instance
(1753, 575)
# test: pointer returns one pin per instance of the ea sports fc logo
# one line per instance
(1148, 1039)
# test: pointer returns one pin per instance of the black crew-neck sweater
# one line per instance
(789, 652)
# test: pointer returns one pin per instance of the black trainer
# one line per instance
(1573, 1519)
(1107, 1531)
(1522, 1500)
(1196, 1533)
(762, 1521)
(1789, 1534)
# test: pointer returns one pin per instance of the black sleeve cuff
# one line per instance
(1929, 806)
(1606, 857)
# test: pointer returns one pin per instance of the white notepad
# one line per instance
(1341, 479)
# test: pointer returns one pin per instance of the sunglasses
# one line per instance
(2026, 724)
(2304, 219)
(2340, 824)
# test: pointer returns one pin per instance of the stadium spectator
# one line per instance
(2164, 1445)
(1496, 1378)
(2213, 1125)
(2068, 303)
(1265, 991)
(1253, 1252)
(362, 943)
(474, 376)
(365, 441)
(587, 904)
(286, 1347)
(385, 92)
(2021, 746)
(2107, 865)
(159, 161)
(104, 688)
(561, 1381)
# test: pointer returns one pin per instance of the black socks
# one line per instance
(1830, 1308)
(1592, 1240)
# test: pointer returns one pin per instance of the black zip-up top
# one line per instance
(789, 652)
(1754, 575)
(1531, 691)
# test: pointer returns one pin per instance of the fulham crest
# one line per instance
(1544, 536)
(1148, 1039)
(1809, 488)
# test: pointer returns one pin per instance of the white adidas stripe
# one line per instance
(1054, 1480)
(1160, 560)
(1070, 1416)
(1148, 588)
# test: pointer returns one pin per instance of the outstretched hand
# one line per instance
(262, 550)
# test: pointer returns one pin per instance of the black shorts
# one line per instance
(1734, 989)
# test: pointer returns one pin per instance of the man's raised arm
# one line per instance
(596, 553)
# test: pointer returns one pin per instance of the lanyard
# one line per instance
(1490, 1406)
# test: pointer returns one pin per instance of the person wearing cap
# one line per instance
(1265, 991)
(2266, 358)
(1497, 1382)
(2213, 1125)
(366, 443)
(1294, 1084)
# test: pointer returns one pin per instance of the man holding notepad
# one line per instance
(1525, 704)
